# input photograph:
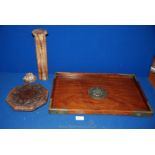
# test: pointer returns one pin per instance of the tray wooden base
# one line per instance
(118, 94)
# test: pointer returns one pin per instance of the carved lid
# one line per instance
(39, 31)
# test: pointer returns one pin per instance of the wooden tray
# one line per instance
(90, 93)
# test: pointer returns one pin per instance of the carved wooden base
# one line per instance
(27, 97)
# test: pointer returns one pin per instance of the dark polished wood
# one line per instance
(152, 78)
(124, 95)
(152, 73)
(27, 97)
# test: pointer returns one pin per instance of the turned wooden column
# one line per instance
(40, 40)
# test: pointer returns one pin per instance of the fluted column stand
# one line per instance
(40, 40)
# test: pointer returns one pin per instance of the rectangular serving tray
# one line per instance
(121, 94)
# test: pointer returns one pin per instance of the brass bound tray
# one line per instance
(90, 93)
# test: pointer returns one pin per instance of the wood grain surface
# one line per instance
(27, 97)
(124, 95)
(152, 79)
(40, 40)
